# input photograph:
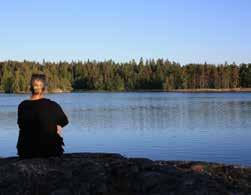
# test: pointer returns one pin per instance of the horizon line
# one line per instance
(44, 60)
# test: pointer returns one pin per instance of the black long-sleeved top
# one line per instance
(37, 121)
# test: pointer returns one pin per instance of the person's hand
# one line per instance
(59, 130)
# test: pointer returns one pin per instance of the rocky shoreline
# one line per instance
(114, 174)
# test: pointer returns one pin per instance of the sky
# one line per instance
(184, 31)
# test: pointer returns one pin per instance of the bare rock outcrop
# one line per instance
(114, 174)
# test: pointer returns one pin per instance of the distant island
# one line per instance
(145, 75)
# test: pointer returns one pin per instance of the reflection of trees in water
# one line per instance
(166, 125)
(170, 116)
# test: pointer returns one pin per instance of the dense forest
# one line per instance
(150, 74)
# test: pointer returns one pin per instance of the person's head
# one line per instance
(37, 84)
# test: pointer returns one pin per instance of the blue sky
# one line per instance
(184, 31)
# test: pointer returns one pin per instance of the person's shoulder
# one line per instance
(53, 102)
(22, 103)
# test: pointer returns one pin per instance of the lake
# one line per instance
(157, 125)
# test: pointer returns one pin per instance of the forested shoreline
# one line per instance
(149, 74)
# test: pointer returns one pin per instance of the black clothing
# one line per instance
(37, 121)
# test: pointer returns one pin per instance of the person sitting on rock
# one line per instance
(40, 122)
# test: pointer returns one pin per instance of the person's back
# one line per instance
(38, 122)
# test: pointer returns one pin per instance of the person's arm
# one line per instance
(20, 125)
(19, 116)
(62, 119)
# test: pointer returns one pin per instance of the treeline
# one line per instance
(147, 74)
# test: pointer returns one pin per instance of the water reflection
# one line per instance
(177, 126)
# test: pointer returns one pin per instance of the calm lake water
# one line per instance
(157, 125)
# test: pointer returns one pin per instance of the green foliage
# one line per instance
(245, 75)
(107, 75)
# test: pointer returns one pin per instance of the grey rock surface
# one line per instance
(114, 174)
